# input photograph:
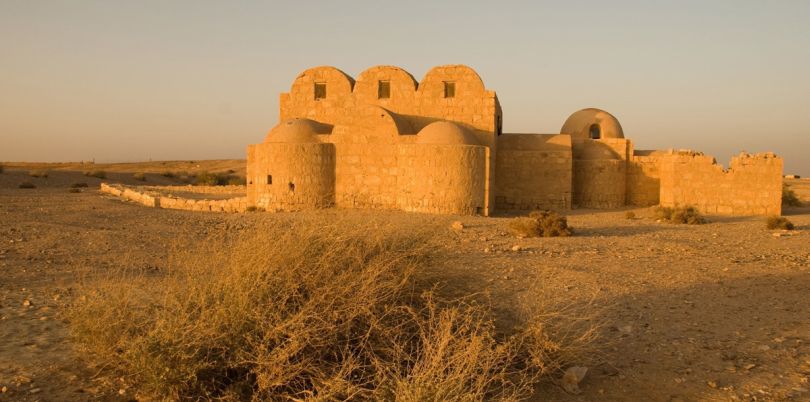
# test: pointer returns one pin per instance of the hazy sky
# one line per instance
(126, 81)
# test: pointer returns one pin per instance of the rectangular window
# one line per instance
(320, 90)
(449, 89)
(383, 89)
(269, 179)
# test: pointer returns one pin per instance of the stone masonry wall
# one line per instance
(152, 198)
(533, 171)
(751, 186)
(447, 179)
(599, 183)
(643, 178)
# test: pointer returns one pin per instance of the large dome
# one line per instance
(445, 133)
(592, 123)
(297, 131)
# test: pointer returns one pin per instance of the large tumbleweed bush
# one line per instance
(541, 224)
(680, 215)
(301, 311)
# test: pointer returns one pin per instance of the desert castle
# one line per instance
(387, 141)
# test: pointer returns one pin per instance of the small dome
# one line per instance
(445, 133)
(297, 131)
(592, 124)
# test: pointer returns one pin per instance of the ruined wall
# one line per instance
(447, 179)
(290, 177)
(151, 197)
(533, 171)
(751, 186)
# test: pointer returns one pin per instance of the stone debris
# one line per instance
(457, 226)
(572, 378)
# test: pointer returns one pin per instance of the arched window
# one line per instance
(595, 131)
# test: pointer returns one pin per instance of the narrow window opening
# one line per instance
(320, 90)
(498, 125)
(449, 89)
(595, 131)
(383, 89)
(291, 185)
(269, 179)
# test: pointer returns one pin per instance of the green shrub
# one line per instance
(139, 176)
(541, 224)
(78, 185)
(629, 215)
(789, 197)
(321, 313)
(38, 173)
(778, 222)
(27, 184)
(680, 215)
(99, 174)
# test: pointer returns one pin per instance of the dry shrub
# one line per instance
(74, 190)
(78, 185)
(99, 174)
(541, 224)
(789, 197)
(168, 174)
(38, 173)
(629, 215)
(778, 222)
(319, 313)
(681, 215)
(27, 184)
(205, 178)
(139, 176)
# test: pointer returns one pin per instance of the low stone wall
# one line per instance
(150, 197)
(198, 189)
(751, 186)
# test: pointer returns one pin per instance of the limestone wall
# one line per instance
(643, 178)
(533, 171)
(230, 189)
(151, 197)
(599, 183)
(751, 186)
(447, 179)
(291, 176)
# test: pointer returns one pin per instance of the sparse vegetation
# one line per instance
(333, 312)
(205, 178)
(99, 174)
(629, 215)
(38, 173)
(680, 215)
(778, 222)
(139, 176)
(541, 224)
(168, 174)
(74, 190)
(27, 184)
(78, 185)
(789, 197)
(1, 168)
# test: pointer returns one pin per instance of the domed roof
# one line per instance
(296, 131)
(592, 123)
(445, 133)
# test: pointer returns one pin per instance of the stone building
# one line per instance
(386, 141)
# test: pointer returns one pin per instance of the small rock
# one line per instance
(4, 389)
(34, 390)
(516, 248)
(712, 384)
(122, 391)
(457, 226)
(26, 303)
(487, 250)
(572, 377)
(626, 329)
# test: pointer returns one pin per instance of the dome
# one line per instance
(592, 124)
(297, 131)
(445, 133)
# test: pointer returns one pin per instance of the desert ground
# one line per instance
(714, 312)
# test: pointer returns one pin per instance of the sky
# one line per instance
(165, 80)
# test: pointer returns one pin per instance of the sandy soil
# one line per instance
(713, 312)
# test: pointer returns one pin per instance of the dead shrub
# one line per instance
(139, 176)
(99, 174)
(541, 224)
(789, 197)
(27, 184)
(320, 313)
(680, 215)
(38, 173)
(778, 222)
(629, 215)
